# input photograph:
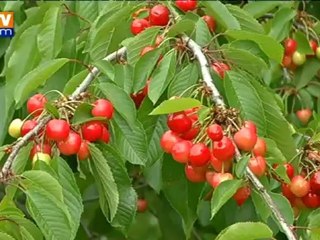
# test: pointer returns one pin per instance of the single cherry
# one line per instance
(251, 125)
(44, 148)
(70, 145)
(218, 178)
(195, 174)
(260, 148)
(14, 129)
(245, 139)
(290, 46)
(215, 132)
(257, 165)
(84, 151)
(315, 182)
(28, 126)
(142, 205)
(57, 130)
(298, 58)
(191, 134)
(304, 115)
(211, 23)
(92, 131)
(36, 104)
(285, 188)
(102, 108)
(286, 61)
(186, 5)
(180, 151)
(192, 113)
(105, 135)
(218, 166)
(179, 122)
(314, 46)
(168, 139)
(138, 25)
(242, 195)
(159, 15)
(299, 186)
(223, 150)
(220, 68)
(199, 155)
(311, 200)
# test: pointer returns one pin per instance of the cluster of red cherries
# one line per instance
(208, 155)
(293, 58)
(68, 139)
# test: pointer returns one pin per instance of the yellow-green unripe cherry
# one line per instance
(298, 58)
(318, 52)
(39, 156)
(15, 128)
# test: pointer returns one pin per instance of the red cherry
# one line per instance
(168, 139)
(179, 122)
(102, 108)
(218, 166)
(210, 22)
(260, 148)
(220, 68)
(314, 46)
(257, 165)
(84, 151)
(71, 145)
(159, 15)
(289, 170)
(287, 61)
(142, 205)
(192, 113)
(138, 98)
(245, 139)
(191, 134)
(195, 174)
(199, 155)
(290, 46)
(285, 188)
(223, 150)
(186, 5)
(215, 132)
(299, 186)
(315, 182)
(242, 195)
(304, 115)
(28, 126)
(36, 104)
(105, 136)
(251, 125)
(311, 200)
(218, 178)
(146, 49)
(44, 148)
(92, 131)
(138, 25)
(146, 88)
(57, 130)
(180, 151)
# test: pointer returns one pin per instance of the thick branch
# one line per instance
(219, 101)
(5, 172)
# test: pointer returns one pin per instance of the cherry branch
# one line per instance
(6, 169)
(218, 100)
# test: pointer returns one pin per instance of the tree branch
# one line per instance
(6, 169)
(218, 100)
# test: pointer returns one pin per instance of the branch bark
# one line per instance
(6, 169)
(218, 100)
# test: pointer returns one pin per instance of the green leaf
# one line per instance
(245, 60)
(182, 26)
(303, 43)
(71, 193)
(45, 204)
(120, 100)
(281, 23)
(144, 68)
(222, 194)
(274, 155)
(130, 140)
(284, 205)
(306, 73)
(21, 161)
(83, 114)
(74, 82)
(281, 171)
(314, 225)
(106, 68)
(6, 236)
(162, 76)
(222, 15)
(36, 78)
(123, 77)
(260, 205)
(241, 166)
(245, 19)
(52, 110)
(271, 47)
(258, 9)
(50, 35)
(175, 105)
(202, 33)
(314, 89)
(108, 193)
(183, 80)
(127, 195)
(182, 195)
(246, 231)
(136, 44)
